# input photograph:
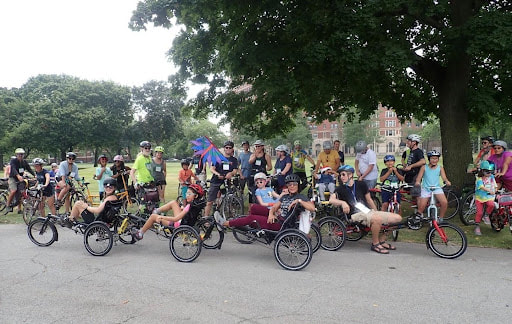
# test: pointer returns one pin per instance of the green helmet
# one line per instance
(159, 149)
(486, 165)
(19, 150)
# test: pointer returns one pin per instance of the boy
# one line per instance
(326, 179)
(185, 176)
(392, 175)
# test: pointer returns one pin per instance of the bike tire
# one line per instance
(131, 205)
(42, 232)
(292, 250)
(30, 211)
(333, 233)
(243, 237)
(395, 232)
(126, 236)
(468, 209)
(315, 237)
(77, 196)
(98, 239)
(453, 204)
(232, 207)
(210, 235)
(3, 200)
(185, 244)
(455, 245)
(355, 232)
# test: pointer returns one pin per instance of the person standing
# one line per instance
(142, 165)
(119, 173)
(327, 158)
(340, 153)
(44, 179)
(415, 158)
(299, 157)
(366, 164)
(102, 172)
(245, 166)
(159, 172)
(260, 162)
(283, 166)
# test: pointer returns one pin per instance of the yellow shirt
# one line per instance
(328, 160)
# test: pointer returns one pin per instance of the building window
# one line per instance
(390, 123)
(390, 147)
(390, 132)
(390, 114)
(315, 135)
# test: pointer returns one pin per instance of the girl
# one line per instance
(119, 172)
(186, 215)
(265, 196)
(102, 172)
(43, 178)
(485, 189)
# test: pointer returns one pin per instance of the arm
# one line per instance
(286, 168)
(317, 166)
(269, 162)
(252, 158)
(272, 212)
(420, 176)
(370, 168)
(47, 179)
(398, 174)
(369, 201)
(417, 164)
(356, 167)
(337, 202)
(386, 175)
(310, 159)
(505, 166)
(101, 207)
(338, 163)
(445, 179)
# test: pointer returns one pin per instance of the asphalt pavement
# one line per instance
(143, 283)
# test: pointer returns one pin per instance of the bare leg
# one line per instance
(441, 198)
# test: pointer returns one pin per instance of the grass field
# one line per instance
(489, 238)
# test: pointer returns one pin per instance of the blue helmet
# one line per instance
(347, 168)
(389, 157)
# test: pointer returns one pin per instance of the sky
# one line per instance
(86, 39)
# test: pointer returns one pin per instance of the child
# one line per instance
(430, 174)
(391, 174)
(326, 179)
(485, 189)
(102, 172)
(184, 177)
(265, 196)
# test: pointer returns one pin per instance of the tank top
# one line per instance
(259, 165)
(157, 170)
(431, 177)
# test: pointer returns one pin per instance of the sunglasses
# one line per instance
(485, 142)
(71, 158)
(343, 174)
(498, 147)
(228, 148)
(108, 186)
(260, 181)
(292, 184)
(257, 145)
(147, 147)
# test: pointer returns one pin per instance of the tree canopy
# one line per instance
(444, 58)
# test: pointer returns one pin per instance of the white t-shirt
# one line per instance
(365, 160)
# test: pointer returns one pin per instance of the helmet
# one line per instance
(19, 150)
(486, 165)
(433, 153)
(347, 168)
(229, 143)
(54, 165)
(500, 143)
(414, 137)
(109, 182)
(102, 156)
(490, 139)
(282, 148)
(389, 157)
(260, 175)
(144, 144)
(245, 142)
(360, 146)
(38, 161)
(297, 142)
(159, 149)
(292, 178)
(197, 189)
(70, 155)
(185, 161)
(118, 158)
(259, 142)
(327, 145)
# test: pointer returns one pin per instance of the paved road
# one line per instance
(143, 283)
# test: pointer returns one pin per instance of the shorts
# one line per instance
(387, 196)
(160, 182)
(49, 191)
(366, 219)
(425, 193)
(13, 184)
(87, 216)
(213, 190)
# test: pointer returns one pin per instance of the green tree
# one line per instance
(446, 58)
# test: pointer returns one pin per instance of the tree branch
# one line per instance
(429, 70)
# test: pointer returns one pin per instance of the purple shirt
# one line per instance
(498, 163)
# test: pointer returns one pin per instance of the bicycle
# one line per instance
(229, 203)
(31, 204)
(19, 196)
(75, 194)
(502, 214)
(127, 196)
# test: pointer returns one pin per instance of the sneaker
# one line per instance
(477, 231)
(487, 220)
(137, 234)
(66, 222)
(219, 219)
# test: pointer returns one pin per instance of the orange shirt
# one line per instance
(185, 175)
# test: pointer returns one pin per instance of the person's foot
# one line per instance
(487, 220)
(66, 222)
(379, 249)
(387, 246)
(137, 235)
(219, 219)
(477, 231)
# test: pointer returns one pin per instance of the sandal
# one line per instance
(388, 247)
(379, 249)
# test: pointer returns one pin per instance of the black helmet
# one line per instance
(433, 153)
(490, 139)
(71, 155)
(245, 142)
(292, 178)
(144, 144)
(185, 161)
(229, 143)
(109, 182)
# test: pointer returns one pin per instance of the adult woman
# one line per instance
(82, 209)
(268, 219)
(119, 172)
(501, 159)
(283, 166)
(259, 162)
(186, 215)
(102, 173)
(159, 171)
(43, 178)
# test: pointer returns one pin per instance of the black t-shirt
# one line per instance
(286, 200)
(19, 167)
(259, 165)
(120, 184)
(224, 168)
(392, 177)
(414, 156)
(352, 195)
(342, 157)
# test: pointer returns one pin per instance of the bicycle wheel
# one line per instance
(292, 250)
(232, 207)
(394, 208)
(76, 196)
(131, 205)
(212, 238)
(244, 237)
(333, 233)
(468, 209)
(185, 244)
(30, 210)
(355, 232)
(453, 204)
(315, 237)
(42, 232)
(449, 242)
(3, 200)
(125, 236)
(98, 239)
(376, 201)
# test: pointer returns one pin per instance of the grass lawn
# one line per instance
(489, 238)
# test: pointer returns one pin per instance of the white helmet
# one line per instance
(414, 138)
(360, 146)
(282, 148)
(260, 175)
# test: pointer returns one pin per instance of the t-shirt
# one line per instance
(342, 157)
(266, 195)
(328, 160)
(498, 162)
(19, 167)
(352, 195)
(243, 162)
(41, 179)
(65, 172)
(489, 183)
(391, 178)
(484, 154)
(279, 166)
(185, 175)
(414, 156)
(365, 160)
(299, 161)
(224, 167)
(259, 165)
(286, 200)
(143, 166)
(107, 174)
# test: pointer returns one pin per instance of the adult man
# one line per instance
(327, 158)
(340, 153)
(366, 164)
(18, 166)
(68, 170)
(245, 166)
(142, 165)
(299, 157)
(354, 198)
(415, 160)
(221, 170)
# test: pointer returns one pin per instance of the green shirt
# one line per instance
(143, 166)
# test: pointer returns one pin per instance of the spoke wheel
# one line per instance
(354, 232)
(243, 237)
(30, 210)
(333, 233)
(232, 207)
(131, 205)
(185, 244)
(212, 238)
(292, 250)
(316, 237)
(453, 204)
(455, 244)
(468, 209)
(3, 200)
(125, 236)
(42, 232)
(98, 239)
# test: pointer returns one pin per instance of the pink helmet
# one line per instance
(118, 158)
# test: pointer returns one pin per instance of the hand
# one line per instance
(448, 183)
(407, 168)
(271, 219)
